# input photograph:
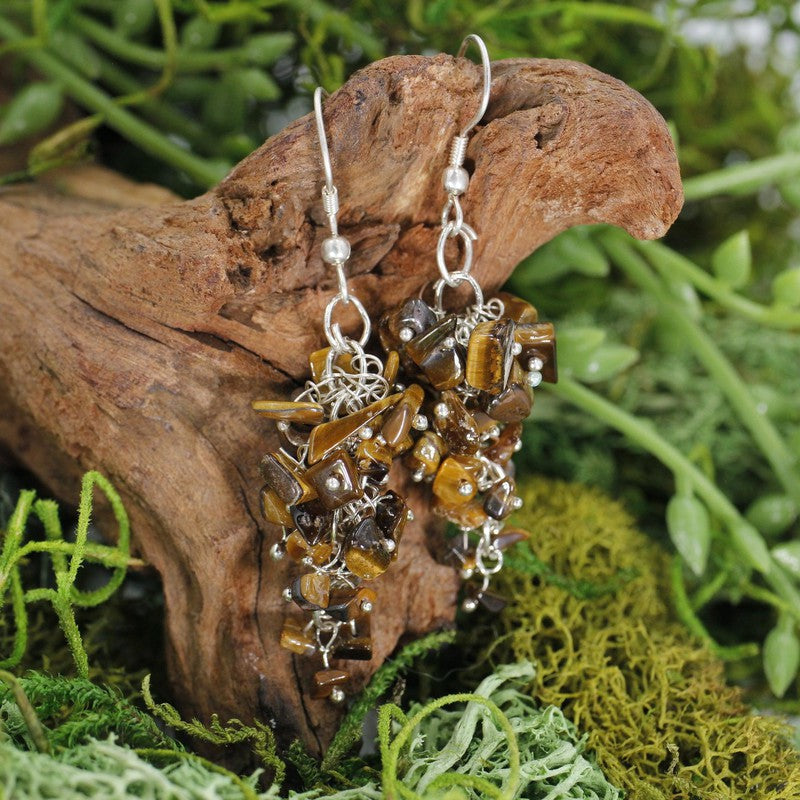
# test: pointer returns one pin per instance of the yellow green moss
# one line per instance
(651, 699)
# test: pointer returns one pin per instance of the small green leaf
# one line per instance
(605, 362)
(690, 530)
(685, 294)
(76, 51)
(581, 254)
(732, 260)
(788, 556)
(225, 105)
(132, 17)
(32, 109)
(772, 514)
(786, 288)
(200, 33)
(576, 344)
(257, 84)
(781, 657)
(266, 48)
(749, 543)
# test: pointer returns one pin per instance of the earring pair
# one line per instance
(448, 395)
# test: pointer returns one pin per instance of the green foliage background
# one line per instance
(679, 360)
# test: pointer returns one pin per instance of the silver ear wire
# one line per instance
(335, 248)
(487, 78)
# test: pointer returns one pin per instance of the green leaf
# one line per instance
(256, 84)
(132, 17)
(772, 514)
(225, 105)
(788, 556)
(576, 344)
(76, 51)
(685, 294)
(781, 657)
(33, 109)
(199, 33)
(605, 362)
(690, 530)
(266, 48)
(751, 546)
(581, 254)
(732, 260)
(786, 288)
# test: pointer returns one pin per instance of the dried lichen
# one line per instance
(652, 701)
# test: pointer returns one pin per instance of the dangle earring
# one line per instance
(326, 485)
(479, 367)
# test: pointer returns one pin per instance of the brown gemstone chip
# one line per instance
(538, 341)
(509, 537)
(413, 315)
(391, 367)
(312, 519)
(330, 435)
(335, 480)
(438, 355)
(498, 500)
(391, 515)
(456, 425)
(291, 411)
(397, 425)
(319, 358)
(490, 355)
(355, 648)
(326, 679)
(365, 553)
(274, 510)
(454, 484)
(341, 602)
(426, 455)
(506, 445)
(296, 640)
(518, 309)
(492, 602)
(467, 516)
(312, 591)
(514, 403)
(296, 546)
(285, 477)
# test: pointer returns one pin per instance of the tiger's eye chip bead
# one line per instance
(478, 369)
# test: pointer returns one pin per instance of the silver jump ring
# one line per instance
(334, 333)
(456, 279)
(467, 235)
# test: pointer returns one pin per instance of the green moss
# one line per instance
(651, 700)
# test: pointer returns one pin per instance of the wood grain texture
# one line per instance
(136, 328)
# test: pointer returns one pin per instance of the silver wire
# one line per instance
(487, 79)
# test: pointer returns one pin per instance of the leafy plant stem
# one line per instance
(706, 351)
(743, 178)
(32, 722)
(143, 135)
(647, 437)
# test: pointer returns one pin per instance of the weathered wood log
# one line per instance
(135, 329)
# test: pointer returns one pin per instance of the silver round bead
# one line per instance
(455, 180)
(406, 334)
(516, 348)
(390, 545)
(469, 605)
(516, 503)
(410, 515)
(337, 695)
(332, 483)
(366, 432)
(467, 573)
(276, 552)
(335, 250)
(465, 489)
(366, 607)
(535, 364)
(286, 594)
(420, 422)
(417, 476)
(449, 342)
(533, 379)
(518, 445)
(441, 410)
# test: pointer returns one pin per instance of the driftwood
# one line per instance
(135, 329)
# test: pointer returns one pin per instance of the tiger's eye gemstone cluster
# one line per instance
(326, 488)
(478, 369)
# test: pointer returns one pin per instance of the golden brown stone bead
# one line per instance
(341, 603)
(312, 591)
(467, 516)
(454, 485)
(296, 546)
(391, 367)
(274, 510)
(285, 477)
(518, 309)
(490, 355)
(319, 358)
(290, 410)
(321, 553)
(403, 446)
(335, 480)
(372, 451)
(455, 424)
(326, 679)
(365, 598)
(391, 515)
(515, 402)
(397, 424)
(539, 341)
(509, 537)
(438, 355)
(506, 445)
(492, 602)
(414, 315)
(365, 553)
(485, 424)
(296, 640)
(328, 436)
(498, 499)
(354, 648)
(425, 457)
